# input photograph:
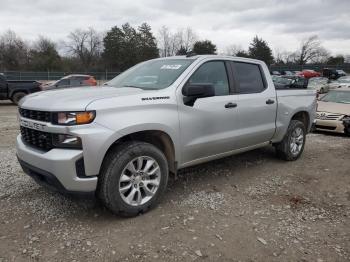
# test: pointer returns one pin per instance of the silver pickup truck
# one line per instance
(121, 141)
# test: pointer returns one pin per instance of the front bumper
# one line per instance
(56, 168)
(330, 125)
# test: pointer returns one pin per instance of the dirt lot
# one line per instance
(250, 207)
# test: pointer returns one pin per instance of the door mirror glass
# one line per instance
(198, 90)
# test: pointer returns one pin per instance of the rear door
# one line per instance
(256, 106)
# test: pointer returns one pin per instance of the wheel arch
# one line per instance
(304, 117)
(158, 138)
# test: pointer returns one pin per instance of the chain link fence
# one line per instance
(316, 67)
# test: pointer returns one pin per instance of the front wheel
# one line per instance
(134, 176)
(293, 143)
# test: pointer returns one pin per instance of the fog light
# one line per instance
(67, 141)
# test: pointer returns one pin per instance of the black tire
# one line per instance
(111, 171)
(16, 97)
(283, 149)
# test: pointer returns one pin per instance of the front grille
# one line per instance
(36, 115)
(38, 139)
(328, 116)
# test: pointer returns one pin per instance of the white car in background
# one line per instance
(343, 81)
(333, 111)
(320, 84)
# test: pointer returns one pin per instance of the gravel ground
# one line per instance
(249, 207)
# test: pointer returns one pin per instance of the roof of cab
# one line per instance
(213, 57)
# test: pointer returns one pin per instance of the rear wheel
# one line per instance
(16, 97)
(134, 177)
(292, 145)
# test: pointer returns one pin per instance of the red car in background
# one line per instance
(71, 81)
(309, 73)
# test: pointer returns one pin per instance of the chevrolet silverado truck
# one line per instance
(15, 90)
(121, 141)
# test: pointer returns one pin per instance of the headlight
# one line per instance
(74, 118)
(67, 141)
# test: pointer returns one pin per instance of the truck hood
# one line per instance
(331, 107)
(73, 99)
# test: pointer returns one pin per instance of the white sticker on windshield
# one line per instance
(172, 67)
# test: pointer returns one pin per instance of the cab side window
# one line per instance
(249, 78)
(213, 73)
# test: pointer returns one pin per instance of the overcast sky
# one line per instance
(225, 22)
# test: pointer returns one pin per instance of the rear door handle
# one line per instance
(270, 102)
(230, 105)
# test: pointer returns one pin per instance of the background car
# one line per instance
(71, 81)
(276, 73)
(333, 111)
(343, 81)
(295, 82)
(309, 73)
(287, 73)
(319, 83)
(332, 73)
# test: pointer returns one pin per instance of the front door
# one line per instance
(208, 126)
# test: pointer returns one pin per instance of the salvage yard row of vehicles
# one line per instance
(333, 112)
(14, 90)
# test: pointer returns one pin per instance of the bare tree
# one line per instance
(44, 55)
(171, 43)
(13, 52)
(187, 38)
(233, 50)
(164, 39)
(86, 45)
(310, 50)
(347, 59)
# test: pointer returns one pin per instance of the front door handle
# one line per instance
(230, 105)
(270, 102)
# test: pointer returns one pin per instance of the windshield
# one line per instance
(337, 97)
(153, 74)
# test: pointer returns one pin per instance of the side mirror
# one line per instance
(194, 91)
(198, 90)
